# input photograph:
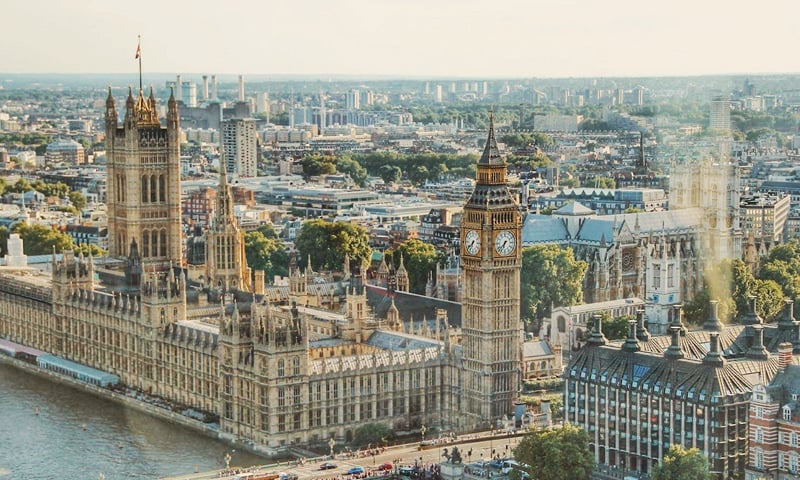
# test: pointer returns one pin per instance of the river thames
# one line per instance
(49, 431)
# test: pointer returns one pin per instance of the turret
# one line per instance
(712, 322)
(674, 351)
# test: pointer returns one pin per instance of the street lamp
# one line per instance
(331, 443)
(422, 431)
(227, 460)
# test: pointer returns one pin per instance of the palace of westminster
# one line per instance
(279, 365)
(302, 363)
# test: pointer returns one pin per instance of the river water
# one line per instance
(51, 431)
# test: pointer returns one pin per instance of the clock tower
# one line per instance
(491, 258)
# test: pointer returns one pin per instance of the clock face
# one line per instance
(505, 242)
(472, 242)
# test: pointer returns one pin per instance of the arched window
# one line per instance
(281, 368)
(154, 236)
(296, 365)
(163, 243)
(161, 189)
(153, 189)
(145, 243)
(144, 188)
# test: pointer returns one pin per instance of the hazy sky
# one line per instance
(437, 38)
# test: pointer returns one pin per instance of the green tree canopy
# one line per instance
(550, 277)
(266, 253)
(419, 259)
(357, 173)
(731, 283)
(616, 328)
(600, 182)
(390, 174)
(328, 242)
(560, 453)
(41, 240)
(314, 165)
(682, 464)
(78, 200)
(372, 433)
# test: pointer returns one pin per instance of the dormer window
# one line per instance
(787, 413)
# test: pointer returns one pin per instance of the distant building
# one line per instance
(240, 141)
(720, 118)
(558, 123)
(765, 214)
(66, 152)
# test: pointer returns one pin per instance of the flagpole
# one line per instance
(139, 56)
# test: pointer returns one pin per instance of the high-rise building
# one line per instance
(491, 258)
(353, 100)
(720, 119)
(240, 142)
(262, 102)
(143, 168)
(189, 91)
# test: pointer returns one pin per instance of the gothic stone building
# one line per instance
(278, 369)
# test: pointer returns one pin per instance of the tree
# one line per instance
(391, 174)
(682, 464)
(78, 200)
(42, 240)
(328, 242)
(419, 259)
(616, 328)
(732, 283)
(601, 182)
(560, 453)
(266, 253)
(372, 433)
(357, 173)
(314, 165)
(550, 277)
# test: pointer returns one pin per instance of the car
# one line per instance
(407, 470)
(327, 466)
(386, 466)
(357, 470)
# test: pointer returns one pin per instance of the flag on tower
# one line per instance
(138, 49)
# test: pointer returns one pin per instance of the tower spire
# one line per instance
(139, 57)
(491, 154)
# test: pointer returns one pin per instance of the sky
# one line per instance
(403, 38)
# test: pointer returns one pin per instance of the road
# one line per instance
(480, 445)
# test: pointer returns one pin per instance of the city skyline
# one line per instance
(469, 38)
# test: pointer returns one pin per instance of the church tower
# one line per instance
(143, 165)
(226, 262)
(491, 260)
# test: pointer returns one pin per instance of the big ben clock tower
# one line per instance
(491, 259)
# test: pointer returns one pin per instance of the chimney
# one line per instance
(714, 357)
(787, 319)
(241, 88)
(677, 319)
(751, 317)
(784, 355)
(641, 332)
(214, 87)
(179, 89)
(597, 338)
(757, 350)
(631, 344)
(205, 87)
(712, 322)
(674, 352)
